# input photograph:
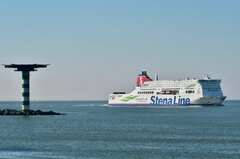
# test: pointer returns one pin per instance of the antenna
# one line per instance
(156, 77)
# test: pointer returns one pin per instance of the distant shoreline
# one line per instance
(81, 100)
(57, 101)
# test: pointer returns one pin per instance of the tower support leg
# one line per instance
(25, 91)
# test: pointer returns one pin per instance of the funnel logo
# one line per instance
(142, 79)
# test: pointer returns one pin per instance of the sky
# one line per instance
(95, 47)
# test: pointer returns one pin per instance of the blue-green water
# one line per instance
(93, 130)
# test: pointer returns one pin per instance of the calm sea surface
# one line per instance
(93, 130)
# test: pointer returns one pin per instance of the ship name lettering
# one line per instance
(155, 100)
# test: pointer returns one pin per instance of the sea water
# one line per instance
(92, 130)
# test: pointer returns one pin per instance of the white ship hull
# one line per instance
(129, 100)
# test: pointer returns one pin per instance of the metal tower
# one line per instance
(25, 69)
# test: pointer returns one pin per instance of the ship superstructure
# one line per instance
(156, 92)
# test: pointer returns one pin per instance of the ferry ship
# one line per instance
(156, 92)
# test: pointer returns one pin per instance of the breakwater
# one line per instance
(29, 112)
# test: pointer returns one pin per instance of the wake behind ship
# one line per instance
(156, 92)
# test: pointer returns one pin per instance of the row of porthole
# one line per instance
(146, 92)
(212, 88)
(189, 92)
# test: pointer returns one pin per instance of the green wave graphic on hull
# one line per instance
(128, 98)
(191, 86)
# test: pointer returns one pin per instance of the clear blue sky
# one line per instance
(99, 46)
